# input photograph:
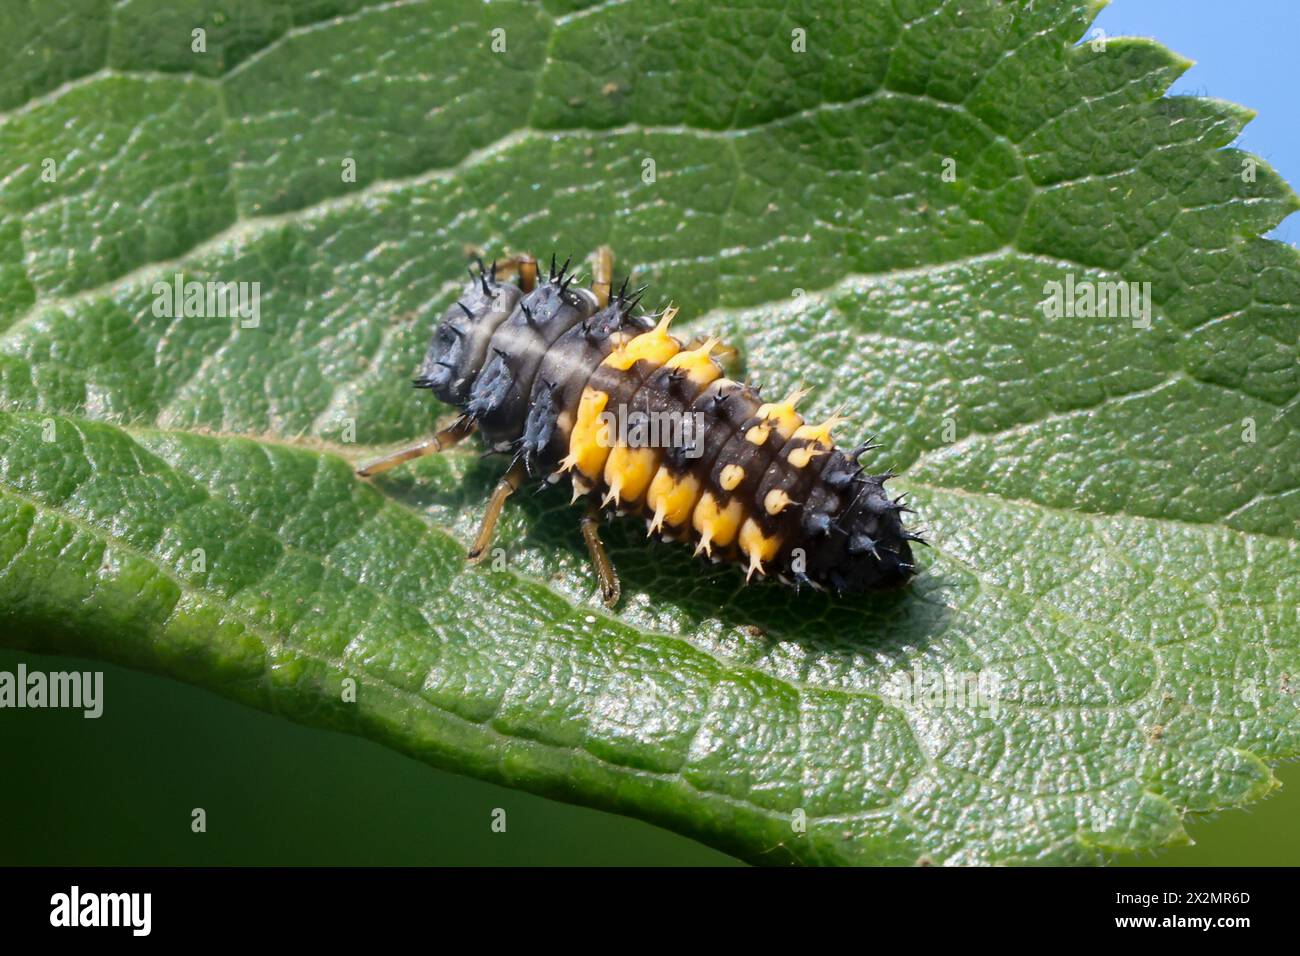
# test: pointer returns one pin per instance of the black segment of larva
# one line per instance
(759, 486)
(867, 547)
(723, 405)
(667, 393)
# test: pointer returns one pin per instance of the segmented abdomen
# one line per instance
(545, 375)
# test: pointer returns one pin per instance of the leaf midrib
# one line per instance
(799, 687)
(351, 454)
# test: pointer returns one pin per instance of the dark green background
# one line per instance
(119, 790)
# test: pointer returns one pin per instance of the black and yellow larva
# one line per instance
(532, 365)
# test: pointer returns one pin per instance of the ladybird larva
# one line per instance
(543, 368)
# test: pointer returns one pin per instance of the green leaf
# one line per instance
(1113, 507)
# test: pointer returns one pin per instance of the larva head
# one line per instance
(857, 541)
(460, 341)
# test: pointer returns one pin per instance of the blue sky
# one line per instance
(1246, 51)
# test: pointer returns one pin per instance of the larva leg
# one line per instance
(605, 573)
(524, 265)
(504, 489)
(602, 275)
(445, 438)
